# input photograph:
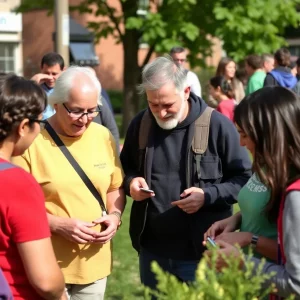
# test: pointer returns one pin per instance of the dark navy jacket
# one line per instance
(225, 167)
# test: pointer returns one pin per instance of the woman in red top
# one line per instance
(221, 90)
(26, 255)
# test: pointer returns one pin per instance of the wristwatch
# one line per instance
(116, 213)
(254, 241)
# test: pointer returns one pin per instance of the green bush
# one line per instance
(231, 283)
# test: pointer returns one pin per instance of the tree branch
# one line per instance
(150, 52)
(114, 19)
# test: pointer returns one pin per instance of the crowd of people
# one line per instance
(183, 163)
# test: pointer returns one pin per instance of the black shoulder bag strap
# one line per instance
(76, 166)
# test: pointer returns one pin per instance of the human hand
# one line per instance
(243, 239)
(136, 193)
(226, 225)
(76, 231)
(110, 223)
(41, 78)
(193, 202)
(225, 250)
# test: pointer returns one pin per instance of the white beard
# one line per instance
(174, 121)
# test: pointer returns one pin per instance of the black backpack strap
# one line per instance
(144, 132)
(76, 166)
(6, 165)
(201, 135)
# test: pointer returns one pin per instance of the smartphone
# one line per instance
(211, 241)
(146, 190)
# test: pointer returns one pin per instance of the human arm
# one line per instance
(286, 278)
(130, 156)
(40, 78)
(265, 246)
(116, 202)
(235, 162)
(30, 232)
(227, 225)
(41, 268)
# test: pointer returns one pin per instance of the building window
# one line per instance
(295, 50)
(7, 57)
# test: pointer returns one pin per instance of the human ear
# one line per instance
(23, 127)
(187, 91)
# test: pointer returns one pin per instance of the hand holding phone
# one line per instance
(211, 241)
(147, 190)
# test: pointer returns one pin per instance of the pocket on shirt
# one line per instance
(210, 169)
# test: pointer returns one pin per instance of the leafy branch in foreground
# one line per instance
(231, 283)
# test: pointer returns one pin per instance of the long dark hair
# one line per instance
(19, 99)
(270, 117)
(225, 86)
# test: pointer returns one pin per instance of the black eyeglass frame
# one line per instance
(83, 114)
(38, 121)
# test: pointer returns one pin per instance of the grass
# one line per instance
(124, 282)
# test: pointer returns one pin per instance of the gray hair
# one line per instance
(161, 71)
(65, 83)
(267, 57)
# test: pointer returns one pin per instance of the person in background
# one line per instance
(281, 75)
(269, 123)
(227, 69)
(52, 65)
(256, 75)
(26, 255)
(267, 62)
(81, 228)
(179, 56)
(222, 91)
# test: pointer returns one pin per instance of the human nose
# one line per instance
(84, 117)
(162, 113)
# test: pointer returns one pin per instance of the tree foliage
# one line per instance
(244, 26)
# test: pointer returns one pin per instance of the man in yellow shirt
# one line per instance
(80, 236)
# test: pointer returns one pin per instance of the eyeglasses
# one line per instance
(41, 122)
(79, 114)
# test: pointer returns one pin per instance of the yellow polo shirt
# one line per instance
(67, 196)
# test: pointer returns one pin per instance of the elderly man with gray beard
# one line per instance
(190, 191)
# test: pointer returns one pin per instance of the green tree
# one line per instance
(245, 26)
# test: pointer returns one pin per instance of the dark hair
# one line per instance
(298, 62)
(225, 86)
(51, 59)
(19, 99)
(283, 57)
(254, 61)
(270, 117)
(177, 49)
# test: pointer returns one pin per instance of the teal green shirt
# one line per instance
(255, 82)
(252, 199)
